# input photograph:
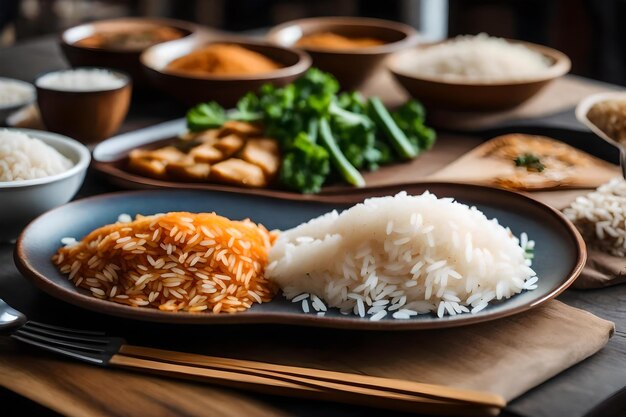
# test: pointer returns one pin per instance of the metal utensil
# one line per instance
(98, 349)
(581, 114)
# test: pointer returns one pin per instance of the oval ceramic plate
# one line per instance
(110, 158)
(559, 255)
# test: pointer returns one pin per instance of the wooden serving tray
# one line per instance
(110, 159)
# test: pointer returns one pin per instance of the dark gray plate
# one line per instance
(559, 256)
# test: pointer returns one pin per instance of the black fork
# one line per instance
(88, 346)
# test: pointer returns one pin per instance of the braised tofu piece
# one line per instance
(238, 172)
(153, 168)
(230, 145)
(207, 136)
(241, 129)
(206, 153)
(167, 154)
(188, 170)
(264, 153)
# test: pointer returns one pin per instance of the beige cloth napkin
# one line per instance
(508, 356)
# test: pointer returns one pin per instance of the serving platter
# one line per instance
(559, 255)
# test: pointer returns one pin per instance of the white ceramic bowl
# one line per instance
(6, 110)
(22, 201)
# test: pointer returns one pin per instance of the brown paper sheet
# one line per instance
(507, 357)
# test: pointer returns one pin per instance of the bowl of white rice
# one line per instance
(38, 171)
(477, 72)
(14, 94)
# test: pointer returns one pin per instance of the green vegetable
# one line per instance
(410, 119)
(341, 163)
(211, 115)
(324, 133)
(396, 137)
(530, 161)
(305, 165)
(205, 116)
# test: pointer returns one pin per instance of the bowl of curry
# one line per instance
(351, 48)
(220, 68)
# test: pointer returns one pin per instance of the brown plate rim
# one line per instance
(153, 315)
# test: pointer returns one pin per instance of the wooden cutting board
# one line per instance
(492, 163)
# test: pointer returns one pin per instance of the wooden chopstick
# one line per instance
(276, 386)
(310, 375)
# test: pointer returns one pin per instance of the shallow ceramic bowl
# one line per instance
(24, 200)
(353, 66)
(89, 116)
(7, 110)
(474, 95)
(225, 89)
(126, 60)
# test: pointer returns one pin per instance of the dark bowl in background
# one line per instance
(225, 89)
(352, 67)
(126, 60)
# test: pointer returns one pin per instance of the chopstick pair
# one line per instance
(387, 393)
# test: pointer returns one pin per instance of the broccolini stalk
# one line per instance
(339, 160)
(396, 137)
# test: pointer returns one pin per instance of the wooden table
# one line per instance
(573, 393)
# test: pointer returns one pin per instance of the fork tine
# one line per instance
(60, 342)
(65, 329)
(65, 335)
(94, 359)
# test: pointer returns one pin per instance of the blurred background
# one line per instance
(591, 32)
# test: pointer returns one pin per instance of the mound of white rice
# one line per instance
(26, 158)
(480, 57)
(601, 217)
(401, 255)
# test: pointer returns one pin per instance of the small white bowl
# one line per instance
(8, 109)
(24, 200)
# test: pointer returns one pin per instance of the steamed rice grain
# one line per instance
(402, 256)
(26, 158)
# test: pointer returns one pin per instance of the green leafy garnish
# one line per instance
(530, 161)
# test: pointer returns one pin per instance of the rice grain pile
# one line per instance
(479, 57)
(174, 261)
(13, 92)
(81, 79)
(402, 256)
(601, 217)
(26, 158)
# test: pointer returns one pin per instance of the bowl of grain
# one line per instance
(14, 94)
(221, 69)
(118, 43)
(350, 48)
(479, 73)
(88, 104)
(38, 171)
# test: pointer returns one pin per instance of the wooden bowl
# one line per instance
(126, 60)
(192, 89)
(352, 67)
(475, 95)
(88, 116)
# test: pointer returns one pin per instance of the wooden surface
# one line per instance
(571, 393)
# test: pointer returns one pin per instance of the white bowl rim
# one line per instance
(30, 100)
(561, 66)
(84, 158)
